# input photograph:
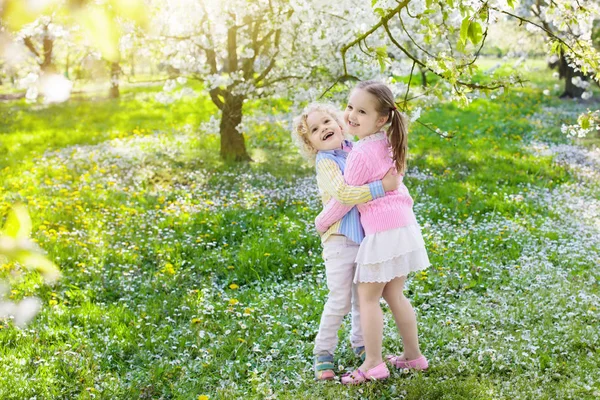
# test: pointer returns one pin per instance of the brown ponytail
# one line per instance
(397, 133)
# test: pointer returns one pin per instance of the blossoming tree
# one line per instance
(246, 49)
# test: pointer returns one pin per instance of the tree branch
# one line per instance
(422, 64)
(365, 35)
(343, 78)
(269, 67)
(232, 59)
(280, 79)
(29, 44)
(408, 87)
(545, 29)
(214, 95)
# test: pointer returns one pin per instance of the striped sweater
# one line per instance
(330, 167)
(369, 161)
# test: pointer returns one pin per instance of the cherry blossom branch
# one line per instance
(368, 33)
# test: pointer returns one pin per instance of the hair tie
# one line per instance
(394, 108)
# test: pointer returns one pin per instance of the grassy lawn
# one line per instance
(184, 276)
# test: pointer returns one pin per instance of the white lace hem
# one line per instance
(387, 270)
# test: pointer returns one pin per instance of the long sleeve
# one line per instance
(357, 170)
(330, 178)
(331, 213)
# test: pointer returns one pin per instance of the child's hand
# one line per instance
(390, 180)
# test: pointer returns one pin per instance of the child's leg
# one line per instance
(371, 319)
(339, 269)
(356, 338)
(405, 317)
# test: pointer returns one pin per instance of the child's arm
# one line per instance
(332, 181)
(334, 210)
(331, 213)
(358, 171)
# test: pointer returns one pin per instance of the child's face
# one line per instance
(361, 116)
(324, 133)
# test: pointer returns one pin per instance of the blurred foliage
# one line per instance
(15, 244)
(99, 20)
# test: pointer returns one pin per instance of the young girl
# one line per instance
(318, 133)
(393, 245)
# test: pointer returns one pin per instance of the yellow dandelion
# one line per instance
(233, 286)
(169, 269)
(233, 302)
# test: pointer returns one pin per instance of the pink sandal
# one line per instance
(377, 373)
(419, 364)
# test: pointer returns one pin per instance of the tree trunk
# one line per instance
(233, 147)
(48, 44)
(132, 64)
(68, 64)
(115, 71)
(568, 73)
(424, 78)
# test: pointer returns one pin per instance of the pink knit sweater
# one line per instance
(369, 161)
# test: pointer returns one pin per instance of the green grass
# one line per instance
(150, 229)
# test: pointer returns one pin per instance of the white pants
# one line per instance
(339, 254)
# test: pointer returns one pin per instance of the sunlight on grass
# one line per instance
(187, 276)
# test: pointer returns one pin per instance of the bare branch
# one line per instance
(29, 44)
(543, 27)
(434, 131)
(280, 79)
(269, 67)
(341, 79)
(232, 59)
(411, 38)
(214, 95)
(408, 87)
(423, 65)
(211, 59)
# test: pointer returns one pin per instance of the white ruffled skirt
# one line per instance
(386, 255)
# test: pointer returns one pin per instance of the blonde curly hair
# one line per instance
(300, 131)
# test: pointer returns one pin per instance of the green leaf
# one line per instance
(464, 29)
(450, 3)
(584, 121)
(381, 54)
(379, 11)
(511, 3)
(484, 14)
(18, 223)
(40, 263)
(475, 32)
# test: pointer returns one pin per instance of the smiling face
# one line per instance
(361, 115)
(324, 133)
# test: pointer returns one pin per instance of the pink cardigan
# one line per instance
(369, 160)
